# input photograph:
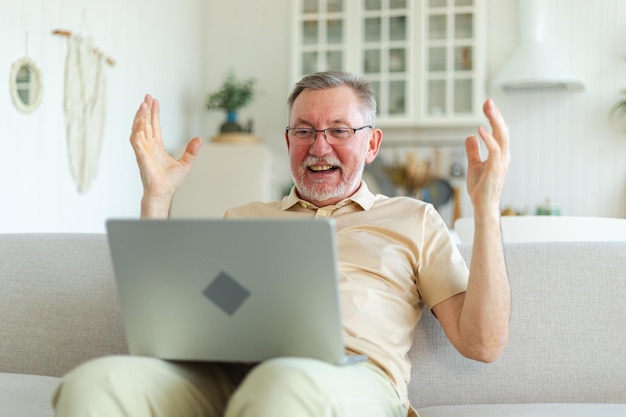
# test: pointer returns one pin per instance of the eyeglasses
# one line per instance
(333, 135)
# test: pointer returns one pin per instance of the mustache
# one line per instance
(327, 160)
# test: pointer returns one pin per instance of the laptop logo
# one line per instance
(225, 292)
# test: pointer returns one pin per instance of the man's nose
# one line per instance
(320, 145)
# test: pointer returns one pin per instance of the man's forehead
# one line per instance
(343, 109)
(303, 119)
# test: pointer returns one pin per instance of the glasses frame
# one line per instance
(329, 138)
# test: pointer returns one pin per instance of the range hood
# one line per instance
(534, 65)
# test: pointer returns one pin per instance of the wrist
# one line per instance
(487, 215)
(487, 221)
(155, 207)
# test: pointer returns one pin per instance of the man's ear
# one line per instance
(375, 139)
(287, 140)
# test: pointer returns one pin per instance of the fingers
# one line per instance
(490, 141)
(145, 112)
(472, 150)
(496, 141)
(146, 124)
(139, 122)
(500, 131)
(146, 133)
(137, 135)
(155, 120)
(192, 149)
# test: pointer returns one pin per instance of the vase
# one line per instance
(230, 125)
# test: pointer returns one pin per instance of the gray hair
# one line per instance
(331, 79)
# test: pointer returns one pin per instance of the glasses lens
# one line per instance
(340, 133)
(303, 133)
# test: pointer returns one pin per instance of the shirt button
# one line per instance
(324, 213)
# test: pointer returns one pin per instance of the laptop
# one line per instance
(242, 290)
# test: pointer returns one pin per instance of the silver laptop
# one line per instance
(229, 290)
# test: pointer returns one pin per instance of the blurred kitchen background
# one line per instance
(433, 63)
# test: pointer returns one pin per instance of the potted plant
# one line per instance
(232, 96)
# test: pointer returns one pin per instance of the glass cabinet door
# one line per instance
(385, 54)
(322, 36)
(424, 58)
(450, 81)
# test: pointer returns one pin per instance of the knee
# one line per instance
(97, 384)
(100, 371)
(284, 386)
(282, 374)
(141, 386)
(93, 375)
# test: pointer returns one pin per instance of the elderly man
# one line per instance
(395, 256)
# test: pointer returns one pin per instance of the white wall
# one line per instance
(563, 146)
(253, 39)
(157, 47)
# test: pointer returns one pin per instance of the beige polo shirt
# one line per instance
(395, 257)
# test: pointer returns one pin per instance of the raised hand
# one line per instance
(485, 178)
(477, 321)
(161, 174)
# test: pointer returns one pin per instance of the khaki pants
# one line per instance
(292, 387)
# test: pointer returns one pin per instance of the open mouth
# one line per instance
(322, 168)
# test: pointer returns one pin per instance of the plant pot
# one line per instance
(230, 125)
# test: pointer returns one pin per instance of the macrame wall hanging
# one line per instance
(84, 104)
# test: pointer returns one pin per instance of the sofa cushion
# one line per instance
(567, 334)
(26, 395)
(526, 410)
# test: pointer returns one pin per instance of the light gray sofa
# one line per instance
(566, 357)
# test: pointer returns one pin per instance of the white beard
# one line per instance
(321, 191)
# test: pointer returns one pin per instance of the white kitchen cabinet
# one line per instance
(424, 58)
(385, 55)
(452, 62)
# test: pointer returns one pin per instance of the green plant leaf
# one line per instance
(233, 94)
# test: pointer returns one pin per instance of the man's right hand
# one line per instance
(161, 174)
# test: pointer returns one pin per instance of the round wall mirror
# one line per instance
(25, 85)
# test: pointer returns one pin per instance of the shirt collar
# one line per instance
(363, 197)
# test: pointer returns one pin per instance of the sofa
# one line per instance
(566, 356)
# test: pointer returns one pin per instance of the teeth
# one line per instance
(321, 168)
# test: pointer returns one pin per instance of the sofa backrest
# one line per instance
(568, 333)
(58, 304)
(59, 307)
